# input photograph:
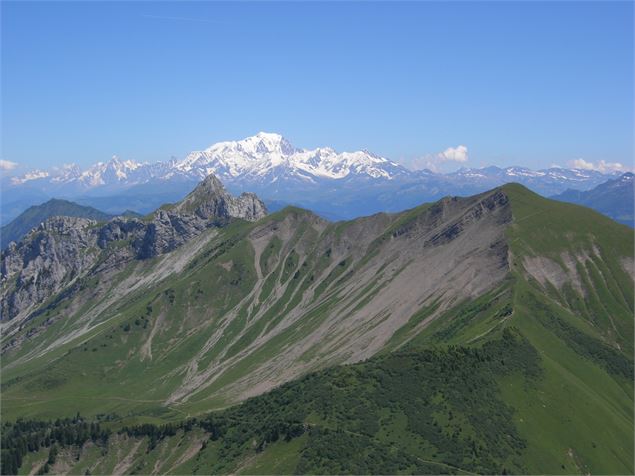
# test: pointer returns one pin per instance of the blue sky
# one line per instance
(524, 83)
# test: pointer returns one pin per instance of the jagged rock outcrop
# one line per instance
(52, 255)
(210, 201)
(209, 204)
(62, 249)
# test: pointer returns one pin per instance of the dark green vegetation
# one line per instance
(421, 411)
(29, 436)
(615, 199)
(36, 214)
(492, 334)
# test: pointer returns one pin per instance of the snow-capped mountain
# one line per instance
(546, 181)
(343, 184)
(267, 156)
(113, 172)
(554, 174)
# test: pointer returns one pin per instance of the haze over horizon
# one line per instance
(423, 84)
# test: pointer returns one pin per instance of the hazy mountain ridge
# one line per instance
(347, 184)
(37, 214)
(614, 198)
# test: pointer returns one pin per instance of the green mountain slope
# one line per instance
(573, 300)
(36, 214)
(424, 411)
(499, 330)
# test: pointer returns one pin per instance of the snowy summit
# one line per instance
(267, 154)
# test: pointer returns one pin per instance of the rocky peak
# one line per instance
(248, 207)
(210, 201)
(62, 249)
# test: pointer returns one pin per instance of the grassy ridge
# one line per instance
(579, 417)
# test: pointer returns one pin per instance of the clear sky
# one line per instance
(523, 83)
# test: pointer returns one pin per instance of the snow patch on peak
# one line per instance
(32, 175)
(118, 164)
(256, 146)
(267, 154)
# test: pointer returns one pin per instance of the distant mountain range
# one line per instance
(37, 214)
(613, 198)
(341, 184)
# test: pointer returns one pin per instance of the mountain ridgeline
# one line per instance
(35, 215)
(614, 198)
(331, 183)
(489, 334)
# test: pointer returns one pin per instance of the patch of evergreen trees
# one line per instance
(25, 436)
